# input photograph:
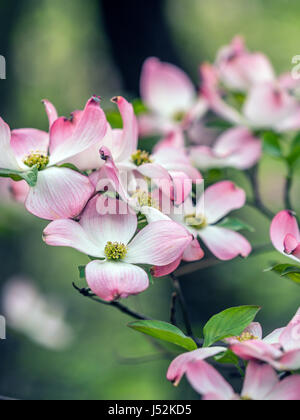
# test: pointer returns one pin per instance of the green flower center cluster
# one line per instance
(246, 336)
(179, 116)
(196, 222)
(115, 251)
(140, 157)
(37, 159)
(145, 199)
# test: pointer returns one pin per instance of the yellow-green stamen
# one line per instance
(115, 251)
(196, 222)
(246, 336)
(140, 157)
(37, 159)
(179, 116)
(145, 199)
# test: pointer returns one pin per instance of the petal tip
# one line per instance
(104, 153)
(116, 99)
(96, 99)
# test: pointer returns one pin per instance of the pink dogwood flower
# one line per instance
(59, 192)
(261, 384)
(201, 220)
(285, 234)
(88, 158)
(169, 168)
(236, 148)
(179, 367)
(110, 239)
(240, 69)
(281, 349)
(267, 105)
(170, 97)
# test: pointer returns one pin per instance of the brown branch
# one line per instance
(184, 308)
(87, 293)
(214, 262)
(258, 202)
(287, 190)
(173, 309)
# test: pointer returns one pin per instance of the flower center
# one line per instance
(115, 251)
(246, 336)
(140, 157)
(246, 398)
(40, 160)
(179, 116)
(145, 199)
(196, 222)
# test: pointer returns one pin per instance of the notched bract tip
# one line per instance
(104, 154)
(97, 99)
(292, 213)
(116, 99)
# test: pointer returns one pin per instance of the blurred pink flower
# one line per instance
(170, 97)
(236, 148)
(38, 317)
(11, 190)
(240, 69)
(267, 105)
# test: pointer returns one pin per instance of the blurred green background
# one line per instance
(65, 51)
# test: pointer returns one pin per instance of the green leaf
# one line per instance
(142, 221)
(114, 119)
(139, 107)
(235, 224)
(229, 323)
(29, 176)
(287, 270)
(219, 124)
(272, 145)
(164, 331)
(227, 358)
(70, 166)
(81, 269)
(213, 175)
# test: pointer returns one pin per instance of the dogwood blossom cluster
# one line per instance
(279, 351)
(134, 209)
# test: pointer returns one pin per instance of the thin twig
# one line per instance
(87, 293)
(287, 190)
(173, 309)
(184, 309)
(258, 203)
